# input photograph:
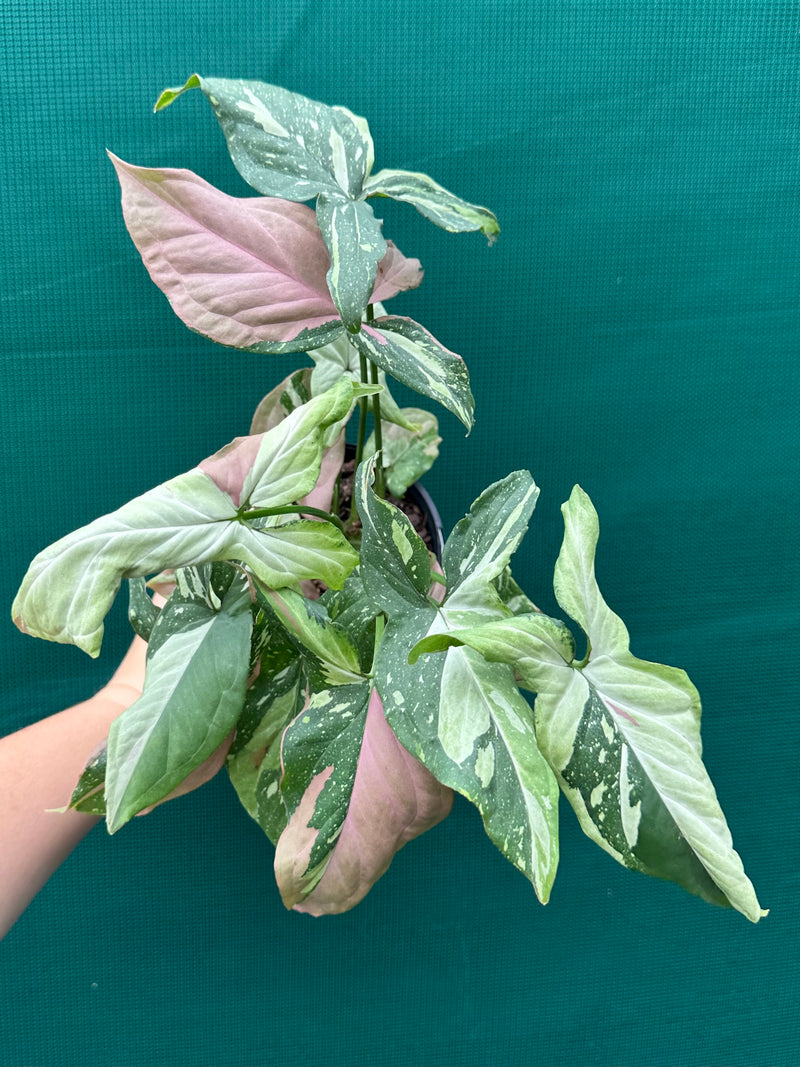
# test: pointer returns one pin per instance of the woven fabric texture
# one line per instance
(635, 329)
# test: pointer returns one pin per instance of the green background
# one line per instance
(635, 329)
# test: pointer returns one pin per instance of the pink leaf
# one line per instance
(229, 467)
(321, 496)
(240, 271)
(394, 800)
(395, 273)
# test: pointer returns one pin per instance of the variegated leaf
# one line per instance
(309, 625)
(462, 718)
(621, 733)
(515, 599)
(355, 795)
(253, 762)
(341, 357)
(288, 146)
(282, 465)
(481, 544)
(88, 795)
(433, 201)
(284, 144)
(320, 752)
(646, 717)
(407, 451)
(281, 401)
(353, 238)
(354, 611)
(193, 694)
(395, 564)
(193, 519)
(407, 352)
(142, 612)
(247, 273)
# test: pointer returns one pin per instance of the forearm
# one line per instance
(39, 767)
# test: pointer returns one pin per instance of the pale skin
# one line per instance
(39, 767)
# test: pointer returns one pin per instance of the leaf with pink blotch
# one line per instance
(246, 272)
(355, 797)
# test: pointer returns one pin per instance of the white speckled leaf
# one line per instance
(284, 144)
(462, 717)
(433, 201)
(355, 245)
(354, 796)
(621, 733)
(407, 352)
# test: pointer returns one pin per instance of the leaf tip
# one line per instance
(167, 96)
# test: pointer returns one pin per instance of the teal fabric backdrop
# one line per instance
(635, 329)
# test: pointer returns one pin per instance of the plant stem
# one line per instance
(380, 488)
(292, 509)
(363, 407)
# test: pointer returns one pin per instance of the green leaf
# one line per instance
(168, 95)
(308, 623)
(193, 694)
(622, 734)
(433, 201)
(463, 718)
(354, 611)
(142, 612)
(407, 352)
(353, 238)
(88, 795)
(514, 598)
(408, 451)
(396, 565)
(195, 518)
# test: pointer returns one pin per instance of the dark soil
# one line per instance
(415, 514)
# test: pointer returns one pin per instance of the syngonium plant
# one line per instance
(355, 679)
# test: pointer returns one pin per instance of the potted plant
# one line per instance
(354, 676)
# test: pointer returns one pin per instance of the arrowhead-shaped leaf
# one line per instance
(289, 146)
(621, 733)
(193, 694)
(245, 272)
(407, 352)
(284, 144)
(194, 518)
(433, 201)
(463, 718)
(356, 797)
(255, 272)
